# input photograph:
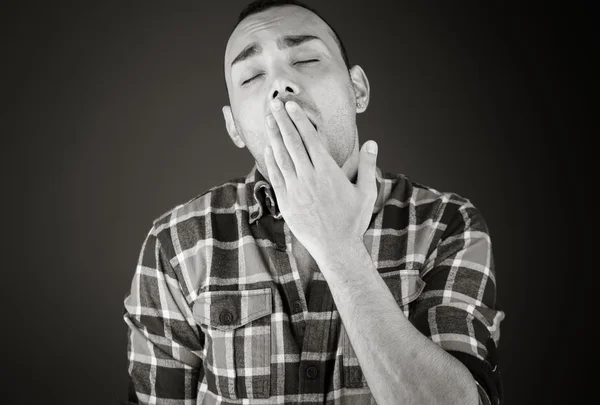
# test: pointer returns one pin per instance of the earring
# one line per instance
(360, 105)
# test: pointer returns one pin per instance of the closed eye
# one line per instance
(249, 80)
(306, 61)
(302, 62)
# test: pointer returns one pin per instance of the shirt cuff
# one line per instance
(484, 398)
(487, 377)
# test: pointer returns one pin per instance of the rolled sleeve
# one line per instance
(164, 344)
(457, 309)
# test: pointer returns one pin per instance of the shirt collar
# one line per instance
(261, 198)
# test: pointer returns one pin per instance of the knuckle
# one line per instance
(294, 143)
(287, 166)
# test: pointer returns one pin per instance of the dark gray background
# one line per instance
(113, 116)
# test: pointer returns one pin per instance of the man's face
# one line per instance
(311, 72)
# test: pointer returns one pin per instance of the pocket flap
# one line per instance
(227, 310)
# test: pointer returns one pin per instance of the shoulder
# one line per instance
(426, 202)
(179, 233)
(408, 190)
(220, 197)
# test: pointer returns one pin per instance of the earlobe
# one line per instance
(362, 90)
(231, 129)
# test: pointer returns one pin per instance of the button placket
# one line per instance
(316, 339)
(352, 375)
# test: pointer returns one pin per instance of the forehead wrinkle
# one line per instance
(251, 28)
(258, 25)
(247, 31)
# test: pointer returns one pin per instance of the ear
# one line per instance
(231, 129)
(361, 88)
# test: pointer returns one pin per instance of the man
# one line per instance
(316, 278)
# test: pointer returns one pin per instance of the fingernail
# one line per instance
(291, 106)
(372, 148)
(276, 104)
(270, 121)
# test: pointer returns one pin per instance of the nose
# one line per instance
(284, 86)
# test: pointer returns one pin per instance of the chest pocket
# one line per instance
(237, 326)
(406, 286)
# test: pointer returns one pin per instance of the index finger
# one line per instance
(312, 141)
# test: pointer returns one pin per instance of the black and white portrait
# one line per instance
(293, 202)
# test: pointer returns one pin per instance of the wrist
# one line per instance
(335, 249)
(343, 257)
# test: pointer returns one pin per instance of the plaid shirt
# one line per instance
(217, 313)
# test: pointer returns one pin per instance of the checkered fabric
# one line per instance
(217, 314)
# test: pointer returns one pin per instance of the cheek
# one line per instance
(249, 120)
(340, 117)
(252, 126)
(338, 111)
(335, 96)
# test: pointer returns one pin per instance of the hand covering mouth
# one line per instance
(311, 121)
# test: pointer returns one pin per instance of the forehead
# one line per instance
(271, 24)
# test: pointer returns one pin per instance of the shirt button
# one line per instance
(312, 372)
(281, 247)
(226, 317)
(254, 215)
(297, 306)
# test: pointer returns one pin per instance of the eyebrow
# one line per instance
(289, 41)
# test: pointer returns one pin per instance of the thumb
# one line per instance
(367, 168)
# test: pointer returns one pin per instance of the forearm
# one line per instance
(400, 364)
